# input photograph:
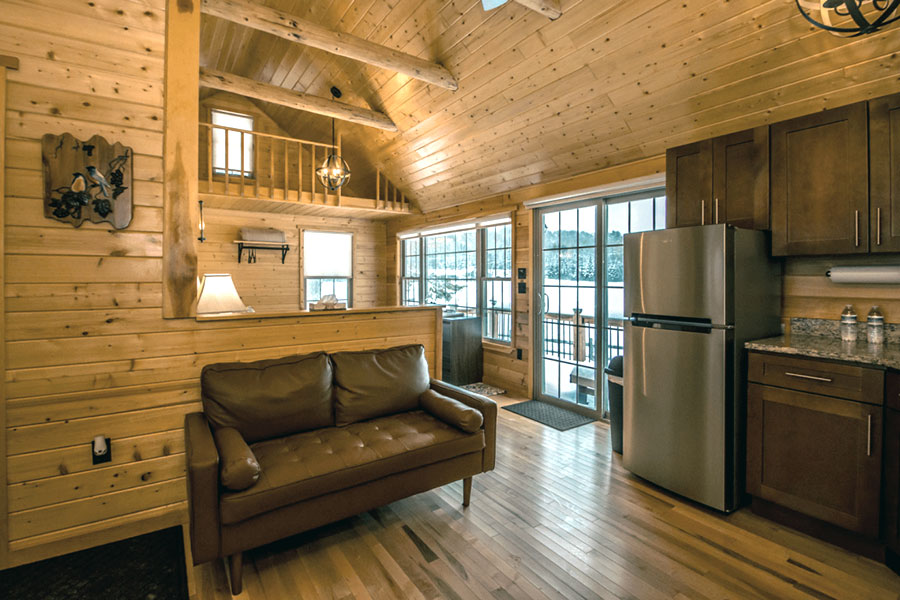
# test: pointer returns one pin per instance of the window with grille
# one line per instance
(232, 149)
(328, 266)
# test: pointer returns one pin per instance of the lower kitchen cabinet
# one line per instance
(891, 514)
(817, 455)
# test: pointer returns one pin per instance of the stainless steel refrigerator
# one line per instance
(693, 296)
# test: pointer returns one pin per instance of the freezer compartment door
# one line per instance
(676, 393)
(678, 272)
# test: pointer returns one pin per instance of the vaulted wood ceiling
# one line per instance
(607, 83)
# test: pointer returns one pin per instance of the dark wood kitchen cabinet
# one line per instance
(814, 442)
(741, 179)
(820, 183)
(689, 186)
(884, 186)
(891, 515)
(722, 180)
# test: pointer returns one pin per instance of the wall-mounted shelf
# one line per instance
(251, 248)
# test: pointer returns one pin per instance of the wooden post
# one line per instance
(299, 171)
(227, 174)
(180, 158)
(377, 187)
(271, 168)
(285, 170)
(255, 166)
(312, 173)
(209, 158)
(242, 164)
(6, 63)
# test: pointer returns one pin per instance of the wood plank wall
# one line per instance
(88, 350)
(270, 286)
(809, 293)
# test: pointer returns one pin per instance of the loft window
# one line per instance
(231, 148)
(328, 265)
(496, 283)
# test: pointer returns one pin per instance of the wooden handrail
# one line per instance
(267, 135)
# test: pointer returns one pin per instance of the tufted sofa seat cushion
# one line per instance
(309, 464)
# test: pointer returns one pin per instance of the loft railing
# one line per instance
(253, 164)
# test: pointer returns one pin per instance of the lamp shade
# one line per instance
(218, 296)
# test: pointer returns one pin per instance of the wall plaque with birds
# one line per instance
(87, 181)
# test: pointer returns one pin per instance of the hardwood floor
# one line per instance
(559, 518)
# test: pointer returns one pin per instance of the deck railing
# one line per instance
(253, 164)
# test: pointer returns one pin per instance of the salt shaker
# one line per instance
(875, 326)
(848, 324)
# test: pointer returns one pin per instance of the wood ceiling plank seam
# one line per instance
(122, 13)
(768, 101)
(678, 60)
(109, 62)
(855, 50)
(350, 22)
(526, 131)
(68, 25)
(474, 132)
(313, 58)
(485, 72)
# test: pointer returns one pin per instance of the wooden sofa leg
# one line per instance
(467, 490)
(236, 570)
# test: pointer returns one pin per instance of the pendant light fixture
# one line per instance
(334, 172)
(849, 18)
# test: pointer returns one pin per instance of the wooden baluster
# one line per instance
(394, 199)
(377, 187)
(255, 140)
(271, 168)
(209, 159)
(312, 173)
(242, 164)
(299, 171)
(285, 170)
(226, 159)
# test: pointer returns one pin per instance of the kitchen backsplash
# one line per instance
(831, 328)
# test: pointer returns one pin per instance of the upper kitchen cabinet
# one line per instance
(741, 179)
(820, 183)
(689, 187)
(884, 187)
(723, 180)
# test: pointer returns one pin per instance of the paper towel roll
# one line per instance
(867, 274)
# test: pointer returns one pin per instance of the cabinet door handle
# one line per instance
(812, 377)
(703, 212)
(869, 438)
(717, 211)
(878, 225)
(857, 227)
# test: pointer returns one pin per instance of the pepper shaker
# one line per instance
(875, 326)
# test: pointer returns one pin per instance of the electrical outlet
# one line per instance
(523, 288)
(522, 272)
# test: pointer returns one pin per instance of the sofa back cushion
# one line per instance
(270, 398)
(374, 383)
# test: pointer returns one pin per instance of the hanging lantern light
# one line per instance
(849, 18)
(335, 172)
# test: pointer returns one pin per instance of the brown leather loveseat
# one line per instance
(290, 444)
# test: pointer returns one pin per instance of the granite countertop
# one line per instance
(830, 347)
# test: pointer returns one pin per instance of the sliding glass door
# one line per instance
(567, 303)
(579, 294)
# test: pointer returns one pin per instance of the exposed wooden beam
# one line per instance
(548, 8)
(289, 27)
(180, 151)
(228, 82)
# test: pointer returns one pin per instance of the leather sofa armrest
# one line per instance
(488, 410)
(203, 487)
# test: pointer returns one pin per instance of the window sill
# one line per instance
(497, 347)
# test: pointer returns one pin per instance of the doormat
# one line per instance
(549, 414)
(147, 567)
(483, 389)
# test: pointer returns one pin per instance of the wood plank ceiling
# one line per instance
(539, 100)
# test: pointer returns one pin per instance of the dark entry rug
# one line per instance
(147, 567)
(548, 414)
